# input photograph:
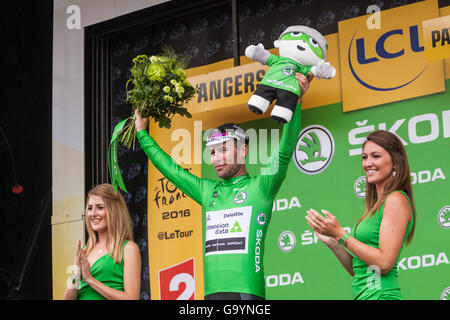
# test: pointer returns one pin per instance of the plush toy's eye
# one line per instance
(296, 34)
(313, 42)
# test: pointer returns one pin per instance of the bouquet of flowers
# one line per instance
(158, 89)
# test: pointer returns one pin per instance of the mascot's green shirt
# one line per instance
(236, 213)
(281, 74)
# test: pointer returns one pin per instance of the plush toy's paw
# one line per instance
(258, 104)
(257, 53)
(323, 71)
(281, 114)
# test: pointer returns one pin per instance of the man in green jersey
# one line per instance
(237, 208)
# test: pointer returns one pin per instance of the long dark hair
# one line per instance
(400, 181)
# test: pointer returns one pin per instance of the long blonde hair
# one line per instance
(401, 180)
(118, 221)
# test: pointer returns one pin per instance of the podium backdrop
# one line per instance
(393, 73)
(384, 81)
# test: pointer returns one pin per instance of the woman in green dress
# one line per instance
(109, 267)
(370, 252)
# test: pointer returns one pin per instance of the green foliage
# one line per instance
(158, 89)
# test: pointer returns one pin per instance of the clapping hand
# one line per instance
(327, 228)
(85, 266)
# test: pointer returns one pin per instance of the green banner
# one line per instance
(326, 173)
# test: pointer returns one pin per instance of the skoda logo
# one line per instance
(445, 295)
(444, 217)
(261, 218)
(288, 71)
(240, 197)
(314, 150)
(359, 188)
(286, 241)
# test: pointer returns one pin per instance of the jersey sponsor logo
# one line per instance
(261, 218)
(240, 197)
(444, 217)
(286, 241)
(258, 245)
(236, 227)
(227, 231)
(177, 282)
(288, 70)
(359, 188)
(314, 150)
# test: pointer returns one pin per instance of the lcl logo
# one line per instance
(383, 53)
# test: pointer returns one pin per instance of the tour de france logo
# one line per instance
(286, 241)
(444, 217)
(314, 150)
(359, 188)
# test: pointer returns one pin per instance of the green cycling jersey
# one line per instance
(237, 212)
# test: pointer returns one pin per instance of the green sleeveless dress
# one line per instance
(107, 272)
(368, 283)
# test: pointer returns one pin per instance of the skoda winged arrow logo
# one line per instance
(314, 150)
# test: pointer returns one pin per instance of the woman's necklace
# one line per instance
(102, 250)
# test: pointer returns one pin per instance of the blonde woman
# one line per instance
(110, 264)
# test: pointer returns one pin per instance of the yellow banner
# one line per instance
(388, 64)
(174, 227)
(437, 38)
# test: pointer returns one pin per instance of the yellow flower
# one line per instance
(173, 81)
(139, 58)
(166, 89)
(181, 73)
(168, 98)
(156, 72)
(179, 89)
